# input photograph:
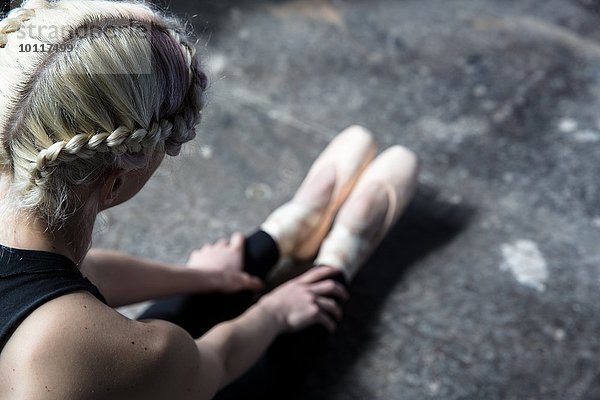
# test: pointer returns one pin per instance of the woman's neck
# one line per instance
(25, 232)
(22, 230)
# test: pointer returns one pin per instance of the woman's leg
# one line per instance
(260, 254)
(300, 225)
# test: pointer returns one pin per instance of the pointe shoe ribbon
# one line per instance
(351, 240)
(299, 226)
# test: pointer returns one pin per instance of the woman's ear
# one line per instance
(111, 188)
(119, 185)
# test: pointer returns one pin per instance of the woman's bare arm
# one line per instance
(229, 349)
(124, 279)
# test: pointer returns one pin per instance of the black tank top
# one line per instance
(30, 278)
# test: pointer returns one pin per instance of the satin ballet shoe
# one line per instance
(299, 226)
(375, 204)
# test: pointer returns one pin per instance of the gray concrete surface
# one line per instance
(489, 288)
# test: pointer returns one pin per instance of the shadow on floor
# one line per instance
(428, 224)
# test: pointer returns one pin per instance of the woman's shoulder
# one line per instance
(76, 347)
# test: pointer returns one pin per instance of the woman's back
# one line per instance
(54, 348)
(74, 347)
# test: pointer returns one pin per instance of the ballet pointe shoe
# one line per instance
(375, 204)
(299, 226)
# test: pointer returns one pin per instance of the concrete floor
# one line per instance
(489, 287)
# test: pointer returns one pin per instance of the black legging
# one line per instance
(199, 312)
(287, 359)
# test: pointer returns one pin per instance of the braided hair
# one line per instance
(88, 85)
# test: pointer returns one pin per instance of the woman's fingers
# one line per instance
(329, 288)
(310, 298)
(221, 242)
(237, 240)
(326, 321)
(330, 307)
(251, 282)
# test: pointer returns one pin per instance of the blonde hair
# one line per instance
(89, 85)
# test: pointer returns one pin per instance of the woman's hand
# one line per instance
(224, 261)
(308, 299)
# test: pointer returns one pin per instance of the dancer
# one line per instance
(84, 126)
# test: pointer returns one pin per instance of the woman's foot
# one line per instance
(299, 226)
(374, 205)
